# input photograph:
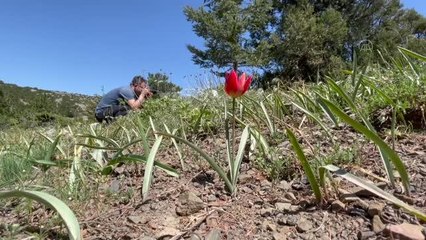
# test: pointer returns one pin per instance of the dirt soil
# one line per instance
(196, 205)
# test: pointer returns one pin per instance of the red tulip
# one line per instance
(236, 87)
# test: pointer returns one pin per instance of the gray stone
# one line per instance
(363, 235)
(195, 236)
(279, 236)
(292, 220)
(375, 209)
(189, 204)
(266, 212)
(213, 235)
(284, 185)
(405, 231)
(115, 186)
(282, 206)
(337, 206)
(137, 219)
(303, 225)
(377, 225)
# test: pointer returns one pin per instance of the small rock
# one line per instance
(297, 186)
(377, 224)
(246, 189)
(365, 235)
(167, 231)
(195, 236)
(405, 231)
(375, 209)
(362, 204)
(292, 220)
(284, 185)
(271, 227)
(189, 204)
(137, 219)
(279, 236)
(294, 208)
(213, 235)
(337, 206)
(307, 236)
(115, 186)
(290, 196)
(211, 198)
(265, 184)
(282, 206)
(266, 212)
(303, 225)
(361, 192)
(244, 178)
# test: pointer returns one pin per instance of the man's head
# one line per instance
(139, 84)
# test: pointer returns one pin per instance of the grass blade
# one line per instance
(60, 207)
(210, 160)
(176, 146)
(386, 150)
(374, 189)
(305, 164)
(237, 161)
(147, 179)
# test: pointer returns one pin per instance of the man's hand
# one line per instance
(147, 92)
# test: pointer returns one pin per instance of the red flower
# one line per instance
(236, 87)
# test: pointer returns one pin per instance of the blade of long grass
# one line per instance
(52, 202)
(54, 144)
(311, 115)
(268, 119)
(143, 137)
(153, 127)
(120, 151)
(237, 161)
(210, 160)
(149, 166)
(305, 164)
(264, 146)
(99, 147)
(101, 138)
(176, 146)
(75, 167)
(327, 111)
(374, 189)
(387, 151)
(412, 54)
(384, 157)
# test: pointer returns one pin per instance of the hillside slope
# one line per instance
(31, 106)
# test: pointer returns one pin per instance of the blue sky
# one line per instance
(92, 46)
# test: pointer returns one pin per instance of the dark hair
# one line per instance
(138, 80)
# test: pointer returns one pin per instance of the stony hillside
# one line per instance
(32, 106)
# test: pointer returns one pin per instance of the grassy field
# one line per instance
(314, 133)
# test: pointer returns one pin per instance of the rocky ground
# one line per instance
(196, 206)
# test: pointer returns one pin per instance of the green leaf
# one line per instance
(60, 207)
(306, 166)
(387, 151)
(210, 160)
(104, 139)
(237, 161)
(147, 179)
(412, 54)
(176, 146)
(310, 114)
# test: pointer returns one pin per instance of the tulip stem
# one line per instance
(233, 128)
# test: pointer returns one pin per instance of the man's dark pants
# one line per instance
(108, 114)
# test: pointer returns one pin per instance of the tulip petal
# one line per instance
(247, 83)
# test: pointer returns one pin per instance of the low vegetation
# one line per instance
(72, 162)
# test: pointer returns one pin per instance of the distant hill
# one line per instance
(32, 106)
